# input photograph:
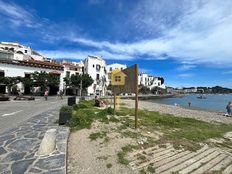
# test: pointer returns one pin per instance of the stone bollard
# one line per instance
(48, 143)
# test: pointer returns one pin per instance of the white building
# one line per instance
(150, 81)
(111, 67)
(20, 52)
(71, 68)
(14, 68)
(96, 68)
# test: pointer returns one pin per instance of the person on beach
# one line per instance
(46, 94)
(189, 103)
(228, 108)
(98, 102)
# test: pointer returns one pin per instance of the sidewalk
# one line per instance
(19, 145)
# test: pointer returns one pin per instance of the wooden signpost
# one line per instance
(126, 81)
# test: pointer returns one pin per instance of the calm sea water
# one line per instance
(213, 102)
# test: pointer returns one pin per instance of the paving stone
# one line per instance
(52, 162)
(14, 156)
(21, 166)
(31, 135)
(2, 151)
(9, 141)
(6, 137)
(4, 167)
(34, 170)
(23, 144)
(61, 171)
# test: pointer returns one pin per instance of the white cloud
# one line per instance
(196, 32)
(62, 54)
(202, 34)
(17, 15)
(185, 67)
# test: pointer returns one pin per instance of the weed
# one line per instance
(109, 165)
(95, 136)
(151, 169)
(122, 154)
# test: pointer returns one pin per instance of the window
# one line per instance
(98, 67)
(109, 76)
(110, 68)
(117, 78)
(98, 77)
(93, 66)
(25, 51)
(2, 74)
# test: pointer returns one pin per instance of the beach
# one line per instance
(178, 111)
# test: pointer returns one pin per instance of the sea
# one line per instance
(211, 102)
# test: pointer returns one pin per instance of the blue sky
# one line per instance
(188, 42)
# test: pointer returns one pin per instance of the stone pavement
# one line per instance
(18, 147)
(168, 160)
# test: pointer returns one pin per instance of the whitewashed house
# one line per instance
(71, 68)
(21, 52)
(96, 67)
(150, 81)
(23, 68)
(111, 67)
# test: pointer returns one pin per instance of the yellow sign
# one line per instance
(118, 78)
(117, 102)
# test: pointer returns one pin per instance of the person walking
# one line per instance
(228, 108)
(189, 104)
(61, 94)
(46, 94)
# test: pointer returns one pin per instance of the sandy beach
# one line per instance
(178, 111)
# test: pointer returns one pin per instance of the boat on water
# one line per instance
(201, 97)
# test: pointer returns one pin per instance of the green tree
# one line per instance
(10, 82)
(144, 90)
(76, 81)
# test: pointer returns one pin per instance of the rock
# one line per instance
(228, 135)
(2, 150)
(48, 143)
(14, 156)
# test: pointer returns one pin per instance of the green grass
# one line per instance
(184, 132)
(122, 154)
(84, 114)
(95, 136)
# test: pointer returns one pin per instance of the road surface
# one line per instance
(13, 112)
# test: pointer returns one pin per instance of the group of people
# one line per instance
(228, 108)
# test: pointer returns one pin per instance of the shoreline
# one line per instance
(203, 115)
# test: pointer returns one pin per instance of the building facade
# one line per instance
(20, 52)
(96, 68)
(15, 68)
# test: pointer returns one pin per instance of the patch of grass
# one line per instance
(113, 119)
(182, 132)
(95, 136)
(151, 169)
(122, 154)
(130, 134)
(109, 165)
(84, 114)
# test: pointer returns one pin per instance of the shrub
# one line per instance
(67, 109)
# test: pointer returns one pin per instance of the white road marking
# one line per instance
(13, 113)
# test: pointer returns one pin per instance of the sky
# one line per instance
(188, 42)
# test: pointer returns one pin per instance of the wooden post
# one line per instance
(136, 96)
(114, 100)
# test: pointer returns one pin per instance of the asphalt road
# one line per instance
(12, 113)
